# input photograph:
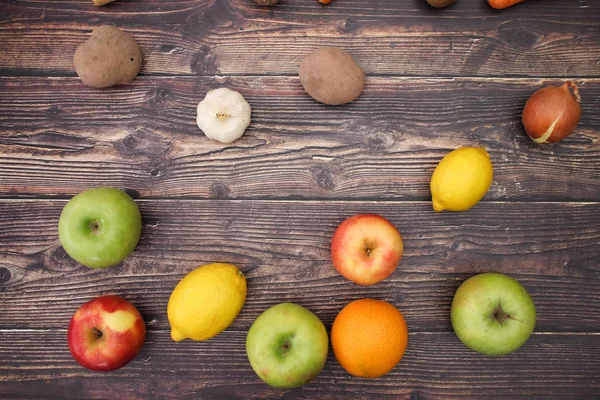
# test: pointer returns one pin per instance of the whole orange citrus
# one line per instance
(369, 337)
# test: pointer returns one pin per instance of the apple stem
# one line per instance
(97, 332)
(285, 344)
(94, 226)
(499, 315)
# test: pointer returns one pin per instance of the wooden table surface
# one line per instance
(437, 79)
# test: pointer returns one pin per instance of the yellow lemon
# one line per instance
(206, 301)
(461, 179)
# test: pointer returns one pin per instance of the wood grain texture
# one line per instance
(269, 203)
(283, 248)
(408, 37)
(58, 138)
(435, 366)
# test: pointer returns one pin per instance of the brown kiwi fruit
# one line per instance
(440, 3)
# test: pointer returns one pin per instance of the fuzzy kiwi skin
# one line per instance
(440, 3)
(266, 2)
(331, 76)
(109, 57)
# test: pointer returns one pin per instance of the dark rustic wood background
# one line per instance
(270, 202)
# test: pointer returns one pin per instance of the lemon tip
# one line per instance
(437, 206)
(176, 335)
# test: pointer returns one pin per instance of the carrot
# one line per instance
(500, 4)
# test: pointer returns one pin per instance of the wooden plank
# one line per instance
(561, 38)
(283, 248)
(58, 138)
(435, 366)
(270, 202)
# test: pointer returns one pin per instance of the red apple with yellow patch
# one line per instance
(106, 333)
(366, 248)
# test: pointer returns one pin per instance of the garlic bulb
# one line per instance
(223, 115)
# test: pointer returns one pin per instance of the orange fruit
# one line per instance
(369, 337)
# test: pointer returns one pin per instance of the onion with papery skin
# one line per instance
(552, 113)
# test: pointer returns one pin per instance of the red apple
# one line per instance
(366, 248)
(106, 333)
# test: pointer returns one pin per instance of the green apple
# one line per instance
(493, 314)
(100, 227)
(287, 345)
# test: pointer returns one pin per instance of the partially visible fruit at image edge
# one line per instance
(106, 333)
(206, 301)
(100, 227)
(366, 248)
(369, 337)
(461, 179)
(287, 345)
(493, 314)
(440, 3)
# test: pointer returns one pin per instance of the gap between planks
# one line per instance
(61, 199)
(63, 330)
(487, 78)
